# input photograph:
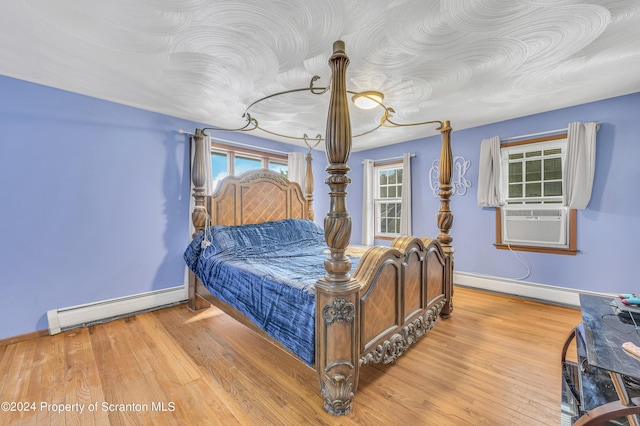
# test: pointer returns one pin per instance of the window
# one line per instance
(533, 217)
(279, 167)
(219, 166)
(534, 172)
(231, 160)
(388, 200)
(243, 164)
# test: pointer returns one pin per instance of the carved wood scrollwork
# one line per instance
(337, 392)
(339, 311)
(389, 350)
(267, 175)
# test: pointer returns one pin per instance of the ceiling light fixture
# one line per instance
(367, 100)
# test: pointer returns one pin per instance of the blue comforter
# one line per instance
(267, 272)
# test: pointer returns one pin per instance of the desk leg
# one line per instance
(621, 390)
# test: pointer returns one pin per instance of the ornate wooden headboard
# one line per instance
(254, 197)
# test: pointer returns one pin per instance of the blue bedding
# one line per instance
(267, 272)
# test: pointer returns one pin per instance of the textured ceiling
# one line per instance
(469, 61)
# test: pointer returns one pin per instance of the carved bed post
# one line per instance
(444, 216)
(199, 214)
(308, 186)
(337, 294)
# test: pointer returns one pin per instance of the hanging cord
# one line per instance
(206, 241)
(521, 261)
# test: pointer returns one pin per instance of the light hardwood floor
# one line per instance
(496, 361)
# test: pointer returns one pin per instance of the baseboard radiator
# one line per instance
(91, 313)
(542, 292)
(84, 315)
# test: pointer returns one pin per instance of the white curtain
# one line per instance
(297, 168)
(405, 217)
(489, 194)
(580, 164)
(208, 170)
(368, 207)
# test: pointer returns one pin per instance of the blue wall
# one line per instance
(94, 201)
(608, 229)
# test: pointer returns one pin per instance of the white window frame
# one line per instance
(523, 149)
(380, 202)
(266, 158)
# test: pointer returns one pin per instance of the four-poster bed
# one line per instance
(370, 314)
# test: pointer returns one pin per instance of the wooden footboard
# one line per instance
(403, 289)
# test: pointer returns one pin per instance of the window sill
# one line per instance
(550, 250)
(385, 237)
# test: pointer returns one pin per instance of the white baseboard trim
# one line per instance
(543, 292)
(80, 315)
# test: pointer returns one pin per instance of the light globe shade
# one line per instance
(367, 100)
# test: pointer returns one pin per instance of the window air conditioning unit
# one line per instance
(535, 226)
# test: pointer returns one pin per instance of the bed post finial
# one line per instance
(337, 294)
(198, 176)
(308, 186)
(444, 216)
